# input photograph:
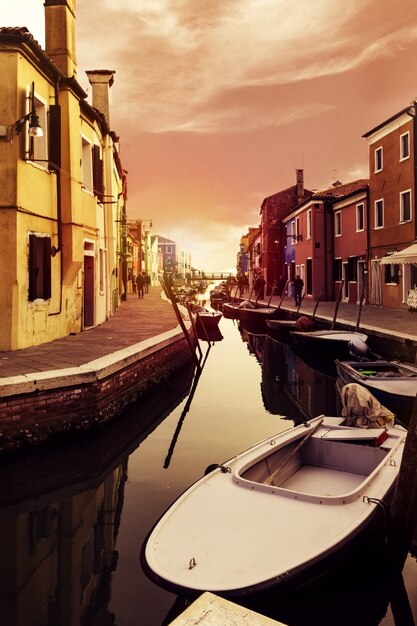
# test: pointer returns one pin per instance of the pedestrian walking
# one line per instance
(259, 287)
(140, 283)
(298, 285)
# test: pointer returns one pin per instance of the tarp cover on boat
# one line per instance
(408, 255)
(362, 409)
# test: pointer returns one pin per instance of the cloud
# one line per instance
(175, 58)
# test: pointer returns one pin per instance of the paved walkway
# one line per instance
(397, 324)
(138, 319)
(135, 320)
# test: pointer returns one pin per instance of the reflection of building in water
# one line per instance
(57, 555)
(290, 387)
(60, 515)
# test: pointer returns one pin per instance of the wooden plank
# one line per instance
(211, 610)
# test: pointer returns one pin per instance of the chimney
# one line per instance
(60, 34)
(101, 81)
(300, 185)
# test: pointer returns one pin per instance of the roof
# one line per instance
(339, 191)
(388, 121)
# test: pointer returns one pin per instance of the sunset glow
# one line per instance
(217, 103)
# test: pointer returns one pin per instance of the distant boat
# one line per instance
(208, 319)
(278, 514)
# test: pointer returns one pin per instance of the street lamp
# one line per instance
(35, 129)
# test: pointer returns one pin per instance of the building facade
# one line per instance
(62, 188)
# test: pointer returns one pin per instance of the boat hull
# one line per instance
(332, 342)
(234, 534)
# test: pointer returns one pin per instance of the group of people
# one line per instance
(297, 288)
(141, 284)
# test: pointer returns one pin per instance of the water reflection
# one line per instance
(60, 515)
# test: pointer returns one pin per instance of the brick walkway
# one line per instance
(135, 320)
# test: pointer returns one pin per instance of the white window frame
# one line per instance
(309, 223)
(377, 227)
(379, 161)
(402, 194)
(36, 148)
(360, 208)
(338, 223)
(86, 164)
(405, 146)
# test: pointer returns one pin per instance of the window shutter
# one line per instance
(98, 182)
(55, 136)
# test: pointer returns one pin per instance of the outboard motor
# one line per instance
(359, 349)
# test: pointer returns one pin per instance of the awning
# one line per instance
(408, 255)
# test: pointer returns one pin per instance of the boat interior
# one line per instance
(320, 467)
(390, 370)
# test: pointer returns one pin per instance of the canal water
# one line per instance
(73, 516)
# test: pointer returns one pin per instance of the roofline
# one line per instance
(388, 121)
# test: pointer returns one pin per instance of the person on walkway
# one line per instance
(140, 283)
(259, 287)
(147, 280)
(298, 285)
(134, 283)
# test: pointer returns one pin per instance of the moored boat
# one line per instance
(392, 382)
(332, 342)
(274, 515)
(208, 319)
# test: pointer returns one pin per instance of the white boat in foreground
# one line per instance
(277, 512)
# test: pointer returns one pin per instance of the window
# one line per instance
(404, 146)
(379, 213)
(297, 228)
(337, 269)
(98, 173)
(39, 267)
(378, 159)
(352, 269)
(391, 274)
(309, 228)
(338, 223)
(405, 206)
(360, 217)
(168, 249)
(86, 165)
(37, 147)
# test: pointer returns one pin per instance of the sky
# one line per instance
(218, 102)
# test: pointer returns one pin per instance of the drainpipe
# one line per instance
(55, 163)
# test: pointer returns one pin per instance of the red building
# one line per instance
(273, 210)
(326, 241)
(392, 224)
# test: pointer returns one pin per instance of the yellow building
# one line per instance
(62, 188)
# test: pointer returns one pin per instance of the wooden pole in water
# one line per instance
(360, 303)
(339, 297)
(318, 300)
(403, 510)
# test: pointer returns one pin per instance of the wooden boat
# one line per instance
(333, 342)
(282, 329)
(260, 314)
(393, 383)
(231, 309)
(208, 319)
(278, 513)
